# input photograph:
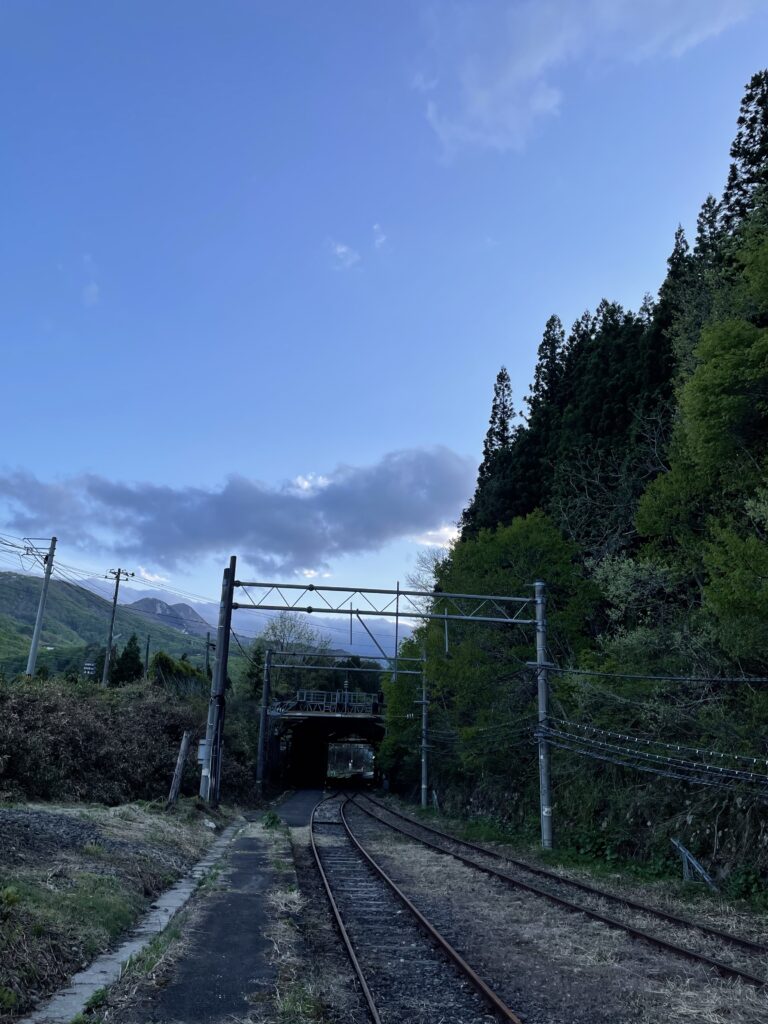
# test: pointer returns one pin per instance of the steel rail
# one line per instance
(337, 916)
(498, 1005)
(683, 922)
(488, 994)
(724, 970)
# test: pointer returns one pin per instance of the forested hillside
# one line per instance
(633, 479)
(75, 626)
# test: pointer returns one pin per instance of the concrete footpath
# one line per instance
(227, 958)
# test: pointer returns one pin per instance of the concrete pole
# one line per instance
(32, 659)
(261, 758)
(146, 659)
(211, 758)
(545, 784)
(108, 655)
(424, 733)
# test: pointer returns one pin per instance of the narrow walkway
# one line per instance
(296, 810)
(227, 959)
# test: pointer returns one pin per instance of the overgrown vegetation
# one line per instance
(72, 882)
(636, 485)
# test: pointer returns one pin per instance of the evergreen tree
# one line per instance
(129, 666)
(499, 434)
(549, 365)
(749, 152)
(709, 232)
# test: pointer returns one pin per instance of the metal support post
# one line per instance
(32, 659)
(545, 787)
(261, 756)
(211, 769)
(424, 735)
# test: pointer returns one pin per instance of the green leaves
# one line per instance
(725, 403)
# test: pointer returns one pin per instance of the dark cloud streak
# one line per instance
(298, 525)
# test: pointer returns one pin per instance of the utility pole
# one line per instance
(146, 660)
(261, 757)
(48, 563)
(545, 782)
(210, 778)
(117, 575)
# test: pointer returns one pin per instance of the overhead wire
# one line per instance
(679, 764)
(630, 737)
(595, 755)
(656, 678)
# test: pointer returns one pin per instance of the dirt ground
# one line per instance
(74, 879)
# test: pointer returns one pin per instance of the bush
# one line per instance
(63, 742)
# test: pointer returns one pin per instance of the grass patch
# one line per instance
(97, 1000)
(97, 908)
(270, 820)
(296, 1003)
(149, 958)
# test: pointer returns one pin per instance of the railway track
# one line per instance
(407, 971)
(705, 945)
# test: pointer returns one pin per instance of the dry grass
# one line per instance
(551, 964)
(80, 879)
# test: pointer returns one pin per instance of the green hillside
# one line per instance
(75, 626)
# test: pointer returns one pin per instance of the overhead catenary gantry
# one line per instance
(361, 603)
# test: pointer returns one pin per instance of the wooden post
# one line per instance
(173, 796)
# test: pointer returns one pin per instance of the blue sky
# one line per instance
(261, 261)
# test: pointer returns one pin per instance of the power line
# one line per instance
(691, 767)
(659, 743)
(697, 780)
(655, 678)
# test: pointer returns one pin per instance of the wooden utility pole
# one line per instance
(181, 760)
(48, 563)
(117, 575)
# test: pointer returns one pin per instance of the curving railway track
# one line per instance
(406, 969)
(731, 956)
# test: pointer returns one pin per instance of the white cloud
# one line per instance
(379, 238)
(344, 256)
(442, 537)
(152, 577)
(90, 294)
(499, 63)
(311, 482)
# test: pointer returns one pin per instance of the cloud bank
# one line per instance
(494, 66)
(298, 526)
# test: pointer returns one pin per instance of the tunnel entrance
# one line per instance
(313, 750)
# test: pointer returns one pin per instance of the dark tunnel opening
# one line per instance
(311, 751)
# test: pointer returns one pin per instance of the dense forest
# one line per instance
(633, 479)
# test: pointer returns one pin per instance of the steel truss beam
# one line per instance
(369, 601)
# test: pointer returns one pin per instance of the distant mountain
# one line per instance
(248, 622)
(180, 616)
(76, 622)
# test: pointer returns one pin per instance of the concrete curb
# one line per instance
(65, 1004)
